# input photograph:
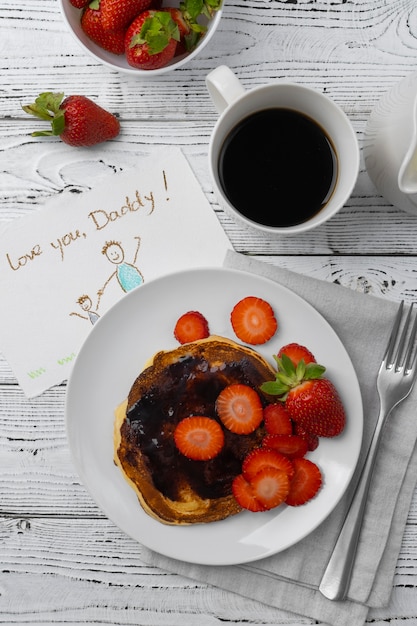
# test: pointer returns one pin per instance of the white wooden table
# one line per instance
(61, 560)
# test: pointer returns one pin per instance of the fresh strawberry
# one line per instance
(91, 23)
(199, 438)
(277, 419)
(185, 44)
(312, 440)
(240, 408)
(151, 40)
(79, 4)
(316, 406)
(77, 120)
(270, 487)
(253, 320)
(291, 446)
(118, 14)
(259, 458)
(296, 352)
(190, 327)
(311, 401)
(305, 483)
(244, 495)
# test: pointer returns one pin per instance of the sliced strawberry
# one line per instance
(259, 458)
(292, 446)
(199, 438)
(190, 327)
(270, 487)
(312, 440)
(253, 320)
(240, 409)
(244, 495)
(296, 353)
(277, 419)
(305, 483)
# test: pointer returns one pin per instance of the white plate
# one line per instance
(118, 346)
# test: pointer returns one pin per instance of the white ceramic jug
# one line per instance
(390, 145)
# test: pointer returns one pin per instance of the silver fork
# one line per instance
(396, 377)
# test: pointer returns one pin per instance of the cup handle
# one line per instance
(224, 87)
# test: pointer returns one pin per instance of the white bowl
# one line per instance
(72, 17)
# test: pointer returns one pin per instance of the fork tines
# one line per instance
(401, 349)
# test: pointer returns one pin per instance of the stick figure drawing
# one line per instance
(127, 274)
(86, 304)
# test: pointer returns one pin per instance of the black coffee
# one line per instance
(277, 167)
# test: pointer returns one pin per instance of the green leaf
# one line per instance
(289, 381)
(198, 28)
(215, 5)
(58, 123)
(286, 365)
(192, 8)
(191, 40)
(156, 32)
(300, 369)
(210, 7)
(313, 371)
(47, 107)
(42, 133)
(274, 388)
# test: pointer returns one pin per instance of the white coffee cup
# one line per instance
(235, 104)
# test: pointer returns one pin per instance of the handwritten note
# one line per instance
(64, 266)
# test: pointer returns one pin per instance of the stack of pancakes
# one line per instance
(177, 384)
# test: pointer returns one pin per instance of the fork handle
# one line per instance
(336, 578)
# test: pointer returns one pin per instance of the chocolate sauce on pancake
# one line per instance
(181, 383)
(187, 387)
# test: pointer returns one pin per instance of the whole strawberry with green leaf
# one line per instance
(151, 40)
(77, 120)
(311, 400)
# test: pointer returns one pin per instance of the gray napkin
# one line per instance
(289, 580)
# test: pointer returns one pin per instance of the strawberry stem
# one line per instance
(47, 107)
(289, 376)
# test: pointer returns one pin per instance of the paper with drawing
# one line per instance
(66, 265)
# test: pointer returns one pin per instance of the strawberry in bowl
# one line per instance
(168, 34)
